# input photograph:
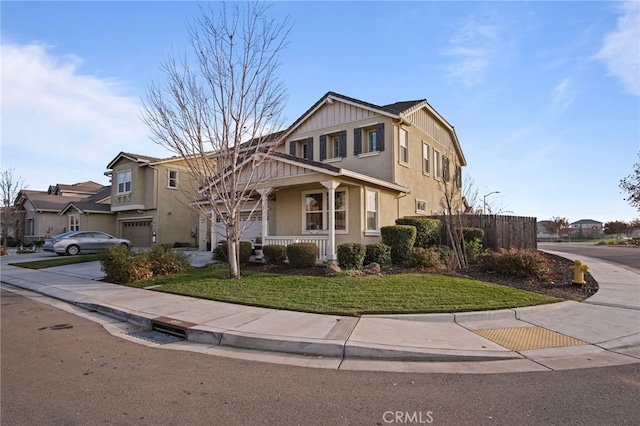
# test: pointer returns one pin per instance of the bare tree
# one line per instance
(631, 185)
(220, 113)
(10, 187)
(451, 201)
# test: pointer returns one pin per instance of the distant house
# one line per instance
(542, 231)
(40, 210)
(148, 202)
(91, 213)
(587, 227)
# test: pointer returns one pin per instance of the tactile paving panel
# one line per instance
(526, 338)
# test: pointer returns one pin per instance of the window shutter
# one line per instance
(357, 141)
(292, 148)
(380, 136)
(310, 148)
(323, 147)
(342, 144)
(445, 169)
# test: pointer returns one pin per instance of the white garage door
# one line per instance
(252, 227)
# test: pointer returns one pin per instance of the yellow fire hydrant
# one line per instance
(579, 269)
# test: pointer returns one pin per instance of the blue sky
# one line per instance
(544, 96)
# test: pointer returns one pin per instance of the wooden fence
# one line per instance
(499, 231)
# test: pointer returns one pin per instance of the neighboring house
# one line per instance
(587, 227)
(41, 209)
(150, 200)
(542, 231)
(91, 213)
(346, 168)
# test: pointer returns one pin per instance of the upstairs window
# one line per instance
(372, 146)
(437, 165)
(302, 148)
(333, 145)
(426, 158)
(173, 179)
(373, 139)
(404, 146)
(124, 182)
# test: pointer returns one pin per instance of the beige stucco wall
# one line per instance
(173, 219)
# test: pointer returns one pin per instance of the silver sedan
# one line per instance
(72, 243)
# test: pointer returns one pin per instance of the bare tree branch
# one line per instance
(220, 114)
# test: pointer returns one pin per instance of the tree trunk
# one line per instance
(233, 251)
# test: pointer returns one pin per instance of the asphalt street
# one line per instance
(59, 368)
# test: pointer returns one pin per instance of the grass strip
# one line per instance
(398, 293)
(59, 261)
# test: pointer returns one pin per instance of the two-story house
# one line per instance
(40, 210)
(346, 168)
(587, 227)
(151, 200)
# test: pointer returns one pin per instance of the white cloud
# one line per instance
(58, 121)
(563, 94)
(473, 47)
(621, 48)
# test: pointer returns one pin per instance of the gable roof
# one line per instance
(82, 188)
(93, 204)
(397, 110)
(43, 201)
(586, 222)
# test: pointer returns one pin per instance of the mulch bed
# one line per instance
(559, 286)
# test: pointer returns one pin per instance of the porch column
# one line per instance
(264, 204)
(331, 186)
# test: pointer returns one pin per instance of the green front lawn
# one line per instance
(398, 293)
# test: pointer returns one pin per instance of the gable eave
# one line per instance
(329, 98)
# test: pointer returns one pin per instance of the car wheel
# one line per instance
(125, 245)
(73, 250)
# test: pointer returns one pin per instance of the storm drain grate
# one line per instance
(155, 337)
(527, 338)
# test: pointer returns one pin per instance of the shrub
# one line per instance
(447, 256)
(423, 257)
(427, 230)
(400, 238)
(274, 254)
(121, 266)
(378, 253)
(523, 263)
(351, 255)
(471, 234)
(165, 261)
(474, 249)
(302, 255)
(473, 243)
(221, 252)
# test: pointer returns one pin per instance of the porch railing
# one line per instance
(321, 242)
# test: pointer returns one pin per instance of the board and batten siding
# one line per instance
(331, 115)
(432, 127)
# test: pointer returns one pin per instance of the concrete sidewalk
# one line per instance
(603, 330)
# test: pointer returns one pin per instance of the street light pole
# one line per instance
(484, 201)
